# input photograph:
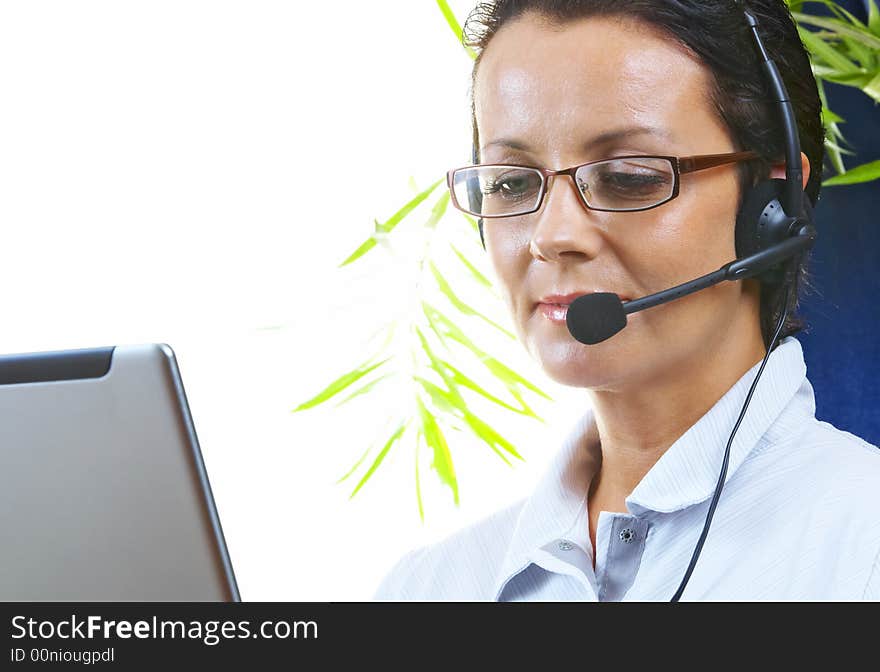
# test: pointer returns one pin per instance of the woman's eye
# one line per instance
(512, 186)
(515, 185)
(633, 180)
(634, 184)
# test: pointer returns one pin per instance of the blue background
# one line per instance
(842, 344)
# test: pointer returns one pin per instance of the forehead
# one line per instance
(545, 82)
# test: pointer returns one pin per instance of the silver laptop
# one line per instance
(103, 491)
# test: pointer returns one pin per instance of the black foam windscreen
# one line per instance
(592, 318)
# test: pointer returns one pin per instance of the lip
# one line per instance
(566, 299)
(555, 306)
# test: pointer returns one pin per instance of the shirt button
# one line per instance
(565, 546)
(627, 535)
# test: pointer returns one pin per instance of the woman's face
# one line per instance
(592, 89)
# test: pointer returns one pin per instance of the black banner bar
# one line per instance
(134, 635)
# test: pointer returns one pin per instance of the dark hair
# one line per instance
(716, 32)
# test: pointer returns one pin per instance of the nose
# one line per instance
(565, 227)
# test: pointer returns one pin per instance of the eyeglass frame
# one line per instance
(681, 165)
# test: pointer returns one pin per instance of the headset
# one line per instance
(775, 228)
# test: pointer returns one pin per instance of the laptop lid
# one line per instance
(103, 491)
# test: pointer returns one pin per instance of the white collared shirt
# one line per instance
(798, 518)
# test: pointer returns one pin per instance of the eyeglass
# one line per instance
(620, 184)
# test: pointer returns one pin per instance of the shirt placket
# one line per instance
(620, 541)
(564, 556)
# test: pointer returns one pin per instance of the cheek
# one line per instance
(688, 237)
(507, 244)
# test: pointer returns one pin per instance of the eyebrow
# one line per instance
(601, 139)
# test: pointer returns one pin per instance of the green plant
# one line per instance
(447, 373)
(843, 50)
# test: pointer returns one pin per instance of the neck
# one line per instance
(638, 424)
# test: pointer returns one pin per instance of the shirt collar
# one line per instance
(685, 474)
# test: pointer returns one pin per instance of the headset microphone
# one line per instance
(593, 318)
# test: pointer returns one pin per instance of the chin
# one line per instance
(574, 364)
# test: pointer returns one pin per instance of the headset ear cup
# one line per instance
(761, 220)
(480, 225)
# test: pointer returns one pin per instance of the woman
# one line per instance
(619, 514)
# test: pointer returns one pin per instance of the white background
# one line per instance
(193, 173)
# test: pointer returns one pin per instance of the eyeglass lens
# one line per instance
(630, 183)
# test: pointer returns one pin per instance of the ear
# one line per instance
(778, 170)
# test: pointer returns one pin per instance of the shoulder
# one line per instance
(814, 491)
(462, 566)
(832, 477)
(850, 460)
(850, 498)
(847, 469)
(821, 466)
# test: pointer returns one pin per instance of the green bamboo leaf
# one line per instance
(388, 226)
(841, 13)
(440, 368)
(472, 222)
(356, 465)
(506, 373)
(820, 72)
(338, 385)
(443, 369)
(835, 133)
(845, 14)
(418, 484)
(860, 53)
(483, 431)
(516, 394)
(442, 462)
(501, 371)
(433, 326)
(837, 148)
(819, 48)
(381, 456)
(834, 151)
(461, 305)
(835, 155)
(828, 117)
(365, 247)
(450, 19)
(873, 17)
(492, 438)
(438, 211)
(482, 279)
(440, 397)
(364, 389)
(411, 205)
(837, 10)
(840, 27)
(488, 435)
(872, 88)
(425, 346)
(864, 173)
(453, 24)
(450, 329)
(463, 380)
(859, 80)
